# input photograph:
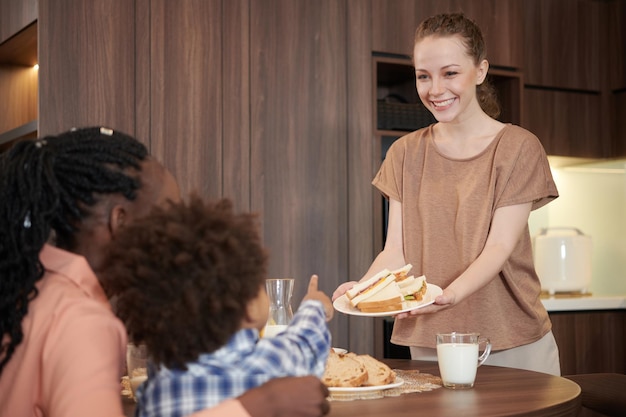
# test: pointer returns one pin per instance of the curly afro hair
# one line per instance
(183, 276)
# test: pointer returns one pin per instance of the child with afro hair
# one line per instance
(189, 283)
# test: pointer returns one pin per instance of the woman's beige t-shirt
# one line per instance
(447, 208)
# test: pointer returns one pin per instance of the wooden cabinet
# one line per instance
(562, 43)
(15, 15)
(567, 123)
(574, 65)
(18, 76)
(394, 24)
(617, 44)
(590, 341)
(618, 126)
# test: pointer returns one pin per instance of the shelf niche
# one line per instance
(18, 87)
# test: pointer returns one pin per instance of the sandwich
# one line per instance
(413, 289)
(369, 287)
(402, 273)
(389, 298)
(387, 291)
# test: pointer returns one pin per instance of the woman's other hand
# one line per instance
(442, 302)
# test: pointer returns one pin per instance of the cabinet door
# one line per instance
(87, 65)
(590, 341)
(618, 131)
(394, 24)
(15, 15)
(567, 123)
(562, 43)
(617, 44)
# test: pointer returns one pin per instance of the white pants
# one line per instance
(540, 356)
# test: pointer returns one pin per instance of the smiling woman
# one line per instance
(460, 192)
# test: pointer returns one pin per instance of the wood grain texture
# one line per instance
(87, 65)
(618, 127)
(567, 123)
(394, 24)
(498, 392)
(18, 87)
(617, 44)
(186, 77)
(562, 43)
(363, 147)
(15, 15)
(298, 138)
(236, 103)
(590, 342)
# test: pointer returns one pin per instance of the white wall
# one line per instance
(593, 199)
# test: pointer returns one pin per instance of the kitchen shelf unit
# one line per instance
(18, 87)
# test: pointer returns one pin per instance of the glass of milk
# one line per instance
(457, 354)
(279, 292)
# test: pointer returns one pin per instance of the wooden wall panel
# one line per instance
(394, 24)
(236, 102)
(186, 92)
(298, 140)
(362, 165)
(87, 65)
(16, 15)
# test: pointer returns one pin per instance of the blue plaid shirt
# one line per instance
(243, 363)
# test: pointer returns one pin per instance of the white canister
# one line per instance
(562, 258)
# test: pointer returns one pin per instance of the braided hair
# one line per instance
(48, 185)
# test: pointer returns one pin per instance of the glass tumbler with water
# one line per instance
(279, 291)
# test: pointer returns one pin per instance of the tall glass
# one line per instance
(137, 365)
(279, 291)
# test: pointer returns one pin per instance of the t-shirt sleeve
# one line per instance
(529, 178)
(388, 180)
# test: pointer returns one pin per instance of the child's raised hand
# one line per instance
(314, 294)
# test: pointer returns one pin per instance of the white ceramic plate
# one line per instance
(397, 383)
(340, 350)
(342, 304)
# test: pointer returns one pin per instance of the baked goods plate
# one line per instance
(395, 384)
(342, 304)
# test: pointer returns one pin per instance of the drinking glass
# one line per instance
(279, 292)
(137, 366)
(457, 354)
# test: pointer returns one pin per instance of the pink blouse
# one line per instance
(71, 359)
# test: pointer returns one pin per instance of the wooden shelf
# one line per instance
(26, 131)
(20, 49)
(18, 86)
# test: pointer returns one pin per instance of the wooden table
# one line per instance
(497, 392)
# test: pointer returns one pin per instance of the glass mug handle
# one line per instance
(482, 358)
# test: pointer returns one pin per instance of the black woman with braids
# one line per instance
(62, 347)
(63, 199)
